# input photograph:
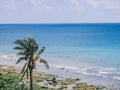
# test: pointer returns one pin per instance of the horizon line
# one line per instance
(66, 23)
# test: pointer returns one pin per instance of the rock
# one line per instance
(64, 86)
(5, 67)
(40, 79)
(84, 86)
(0, 74)
(54, 80)
(77, 79)
(44, 87)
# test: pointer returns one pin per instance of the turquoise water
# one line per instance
(82, 47)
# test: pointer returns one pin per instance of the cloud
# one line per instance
(7, 4)
(105, 4)
(77, 4)
(41, 5)
(94, 3)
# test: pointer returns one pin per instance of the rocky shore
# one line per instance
(52, 82)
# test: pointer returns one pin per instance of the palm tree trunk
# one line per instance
(31, 79)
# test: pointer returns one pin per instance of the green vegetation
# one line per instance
(28, 48)
(8, 82)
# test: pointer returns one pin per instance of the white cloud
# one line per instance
(77, 4)
(94, 3)
(40, 4)
(7, 4)
(105, 4)
(36, 2)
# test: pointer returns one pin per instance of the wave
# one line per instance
(8, 56)
(97, 72)
(118, 78)
(65, 67)
(105, 72)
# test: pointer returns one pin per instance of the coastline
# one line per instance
(51, 81)
(65, 72)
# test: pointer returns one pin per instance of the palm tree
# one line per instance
(30, 53)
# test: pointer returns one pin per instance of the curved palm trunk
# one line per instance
(31, 79)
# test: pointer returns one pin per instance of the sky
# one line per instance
(59, 11)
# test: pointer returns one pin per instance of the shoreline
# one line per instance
(45, 80)
(65, 72)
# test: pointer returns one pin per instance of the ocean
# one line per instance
(87, 49)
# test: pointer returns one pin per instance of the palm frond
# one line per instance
(35, 48)
(26, 42)
(19, 48)
(21, 43)
(22, 53)
(44, 62)
(33, 44)
(35, 58)
(20, 59)
(32, 40)
(41, 50)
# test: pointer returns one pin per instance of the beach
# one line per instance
(64, 72)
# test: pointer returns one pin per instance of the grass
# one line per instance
(7, 82)
(11, 82)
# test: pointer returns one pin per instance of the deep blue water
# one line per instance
(70, 44)
(64, 35)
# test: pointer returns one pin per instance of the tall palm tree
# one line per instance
(30, 53)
